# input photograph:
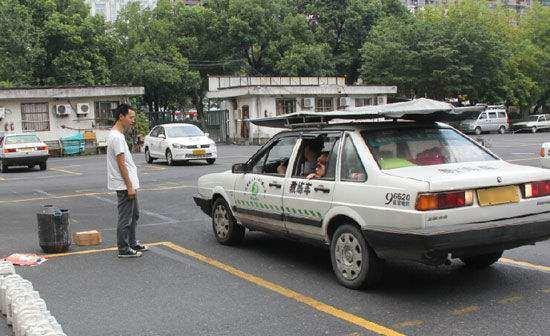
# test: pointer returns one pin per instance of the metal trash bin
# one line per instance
(53, 229)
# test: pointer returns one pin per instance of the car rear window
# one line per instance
(397, 148)
(24, 138)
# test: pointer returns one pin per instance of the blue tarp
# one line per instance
(73, 144)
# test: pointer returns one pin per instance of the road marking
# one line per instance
(511, 299)
(412, 323)
(320, 306)
(523, 153)
(518, 160)
(465, 310)
(42, 192)
(114, 248)
(547, 290)
(2, 178)
(101, 193)
(524, 264)
(65, 171)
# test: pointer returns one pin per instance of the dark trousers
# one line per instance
(128, 215)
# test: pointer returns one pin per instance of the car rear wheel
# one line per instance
(210, 161)
(353, 261)
(3, 167)
(477, 130)
(502, 129)
(169, 158)
(482, 260)
(31, 166)
(226, 229)
(148, 157)
(534, 129)
(43, 166)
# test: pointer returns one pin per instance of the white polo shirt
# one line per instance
(116, 144)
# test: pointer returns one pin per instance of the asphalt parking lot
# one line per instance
(187, 284)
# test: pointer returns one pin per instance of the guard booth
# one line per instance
(216, 124)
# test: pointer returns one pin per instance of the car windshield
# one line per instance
(397, 148)
(534, 118)
(183, 131)
(24, 138)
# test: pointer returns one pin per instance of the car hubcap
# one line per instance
(349, 258)
(169, 157)
(147, 155)
(221, 222)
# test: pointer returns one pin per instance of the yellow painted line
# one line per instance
(547, 290)
(2, 178)
(65, 171)
(412, 323)
(511, 299)
(99, 193)
(113, 248)
(317, 305)
(466, 310)
(524, 264)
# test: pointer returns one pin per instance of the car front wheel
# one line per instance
(534, 129)
(169, 158)
(502, 129)
(482, 260)
(210, 161)
(148, 157)
(226, 229)
(43, 166)
(353, 261)
(477, 131)
(3, 167)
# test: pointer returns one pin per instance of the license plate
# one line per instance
(199, 152)
(29, 149)
(498, 195)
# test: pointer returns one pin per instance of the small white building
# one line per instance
(57, 112)
(254, 97)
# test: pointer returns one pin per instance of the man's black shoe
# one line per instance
(140, 247)
(130, 253)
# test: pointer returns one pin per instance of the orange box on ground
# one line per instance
(87, 238)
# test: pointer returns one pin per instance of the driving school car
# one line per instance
(24, 149)
(413, 189)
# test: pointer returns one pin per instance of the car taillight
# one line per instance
(444, 200)
(42, 148)
(10, 150)
(536, 189)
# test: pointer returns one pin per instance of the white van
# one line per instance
(490, 120)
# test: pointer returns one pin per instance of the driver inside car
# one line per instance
(320, 168)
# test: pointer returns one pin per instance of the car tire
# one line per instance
(502, 129)
(534, 129)
(477, 130)
(31, 166)
(3, 167)
(43, 166)
(169, 158)
(210, 161)
(148, 157)
(482, 260)
(354, 262)
(226, 229)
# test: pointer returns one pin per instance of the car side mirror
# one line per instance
(162, 136)
(239, 168)
(207, 135)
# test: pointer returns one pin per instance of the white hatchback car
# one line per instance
(179, 142)
(372, 191)
(24, 149)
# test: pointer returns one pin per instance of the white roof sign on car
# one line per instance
(416, 109)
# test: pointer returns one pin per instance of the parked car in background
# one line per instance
(533, 124)
(179, 142)
(493, 119)
(24, 149)
(545, 155)
(412, 190)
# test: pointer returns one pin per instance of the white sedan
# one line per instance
(374, 191)
(24, 149)
(179, 142)
(545, 155)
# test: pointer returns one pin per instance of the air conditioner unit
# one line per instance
(63, 110)
(82, 109)
(308, 103)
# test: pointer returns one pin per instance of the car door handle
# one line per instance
(321, 188)
(275, 184)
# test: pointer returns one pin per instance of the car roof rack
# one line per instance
(422, 109)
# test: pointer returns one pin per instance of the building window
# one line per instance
(35, 117)
(104, 113)
(324, 104)
(364, 102)
(285, 106)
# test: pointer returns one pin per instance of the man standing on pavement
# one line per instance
(122, 177)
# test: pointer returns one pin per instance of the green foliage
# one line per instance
(142, 123)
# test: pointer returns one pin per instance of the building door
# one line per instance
(245, 128)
